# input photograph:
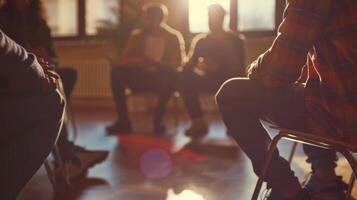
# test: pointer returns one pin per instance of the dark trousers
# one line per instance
(191, 85)
(244, 102)
(29, 127)
(161, 81)
(69, 79)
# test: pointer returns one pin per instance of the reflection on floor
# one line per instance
(143, 166)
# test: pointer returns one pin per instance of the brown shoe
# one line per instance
(197, 129)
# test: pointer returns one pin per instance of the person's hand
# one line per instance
(252, 72)
(51, 81)
(200, 68)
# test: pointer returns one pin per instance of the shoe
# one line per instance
(326, 190)
(119, 128)
(198, 129)
(80, 162)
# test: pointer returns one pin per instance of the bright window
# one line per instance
(101, 14)
(62, 17)
(198, 15)
(256, 15)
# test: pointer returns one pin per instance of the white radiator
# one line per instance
(93, 78)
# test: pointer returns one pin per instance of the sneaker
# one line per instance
(81, 161)
(326, 190)
(119, 128)
(198, 129)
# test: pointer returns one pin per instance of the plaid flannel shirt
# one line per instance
(322, 36)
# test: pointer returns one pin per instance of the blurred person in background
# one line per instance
(31, 115)
(148, 63)
(214, 57)
(25, 23)
(320, 35)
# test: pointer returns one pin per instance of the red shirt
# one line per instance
(321, 35)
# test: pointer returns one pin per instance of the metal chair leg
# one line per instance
(350, 186)
(61, 165)
(292, 152)
(70, 116)
(311, 140)
(176, 110)
(50, 174)
(266, 166)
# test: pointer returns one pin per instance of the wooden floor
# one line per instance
(145, 167)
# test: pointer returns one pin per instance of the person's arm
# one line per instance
(176, 52)
(302, 26)
(20, 72)
(130, 55)
(195, 52)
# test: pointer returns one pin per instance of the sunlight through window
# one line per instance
(256, 15)
(198, 18)
(184, 195)
(62, 17)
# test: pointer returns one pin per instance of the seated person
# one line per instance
(24, 22)
(30, 118)
(324, 31)
(213, 58)
(148, 63)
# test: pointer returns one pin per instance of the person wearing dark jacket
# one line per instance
(320, 36)
(24, 22)
(149, 62)
(214, 57)
(31, 115)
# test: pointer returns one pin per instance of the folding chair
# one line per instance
(346, 149)
(51, 173)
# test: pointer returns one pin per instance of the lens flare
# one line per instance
(155, 163)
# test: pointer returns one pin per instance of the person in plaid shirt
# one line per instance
(319, 36)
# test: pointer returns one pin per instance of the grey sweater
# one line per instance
(20, 72)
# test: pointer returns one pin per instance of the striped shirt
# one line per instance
(320, 35)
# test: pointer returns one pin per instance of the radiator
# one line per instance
(93, 78)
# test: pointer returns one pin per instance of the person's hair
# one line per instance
(217, 9)
(35, 9)
(156, 10)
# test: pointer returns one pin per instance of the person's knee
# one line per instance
(225, 92)
(47, 114)
(54, 105)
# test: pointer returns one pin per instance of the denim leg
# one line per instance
(165, 86)
(189, 89)
(242, 104)
(118, 89)
(32, 125)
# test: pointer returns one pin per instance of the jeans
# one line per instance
(29, 127)
(161, 81)
(191, 85)
(243, 103)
